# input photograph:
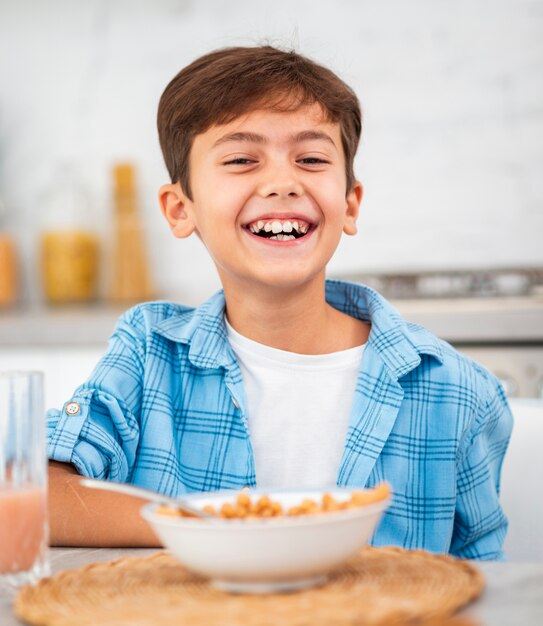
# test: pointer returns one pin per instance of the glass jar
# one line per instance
(69, 243)
(8, 265)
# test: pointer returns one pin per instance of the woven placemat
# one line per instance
(380, 586)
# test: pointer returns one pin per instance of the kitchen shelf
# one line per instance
(492, 320)
(475, 321)
(62, 326)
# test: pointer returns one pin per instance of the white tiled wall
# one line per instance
(453, 147)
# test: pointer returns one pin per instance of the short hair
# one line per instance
(226, 83)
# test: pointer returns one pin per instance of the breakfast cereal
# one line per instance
(244, 507)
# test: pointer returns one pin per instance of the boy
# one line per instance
(282, 379)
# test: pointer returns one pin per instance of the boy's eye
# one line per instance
(312, 161)
(239, 161)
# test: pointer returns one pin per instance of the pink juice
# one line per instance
(22, 527)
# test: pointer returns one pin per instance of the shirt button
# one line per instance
(235, 403)
(72, 408)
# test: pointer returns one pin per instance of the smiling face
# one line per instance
(269, 197)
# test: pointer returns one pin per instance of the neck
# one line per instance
(295, 319)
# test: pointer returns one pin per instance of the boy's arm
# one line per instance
(99, 439)
(480, 524)
(90, 518)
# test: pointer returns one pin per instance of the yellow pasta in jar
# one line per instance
(69, 261)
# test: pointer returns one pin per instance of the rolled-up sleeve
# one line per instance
(480, 523)
(97, 429)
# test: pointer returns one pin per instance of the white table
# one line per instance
(513, 594)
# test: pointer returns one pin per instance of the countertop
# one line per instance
(457, 320)
(513, 594)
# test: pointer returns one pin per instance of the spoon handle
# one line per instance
(140, 492)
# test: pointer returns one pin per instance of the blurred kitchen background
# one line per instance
(451, 227)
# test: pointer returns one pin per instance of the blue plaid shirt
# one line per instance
(165, 409)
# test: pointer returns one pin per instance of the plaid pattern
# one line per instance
(165, 409)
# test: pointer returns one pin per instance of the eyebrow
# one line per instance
(304, 135)
(308, 135)
(240, 136)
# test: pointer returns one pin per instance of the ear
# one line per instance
(176, 208)
(353, 200)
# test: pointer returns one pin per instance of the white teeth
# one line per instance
(281, 237)
(276, 227)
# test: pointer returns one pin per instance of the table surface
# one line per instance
(513, 594)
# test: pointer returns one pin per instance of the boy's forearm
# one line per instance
(85, 517)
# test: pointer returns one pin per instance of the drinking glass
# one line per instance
(23, 481)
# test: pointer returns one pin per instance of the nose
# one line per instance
(280, 182)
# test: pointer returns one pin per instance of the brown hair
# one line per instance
(222, 85)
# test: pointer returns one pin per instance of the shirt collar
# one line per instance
(204, 331)
(400, 344)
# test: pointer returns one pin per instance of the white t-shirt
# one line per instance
(298, 409)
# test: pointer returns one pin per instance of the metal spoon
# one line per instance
(147, 494)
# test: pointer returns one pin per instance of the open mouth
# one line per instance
(279, 230)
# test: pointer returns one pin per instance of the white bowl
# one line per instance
(269, 554)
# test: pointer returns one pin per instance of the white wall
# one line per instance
(64, 368)
(453, 147)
